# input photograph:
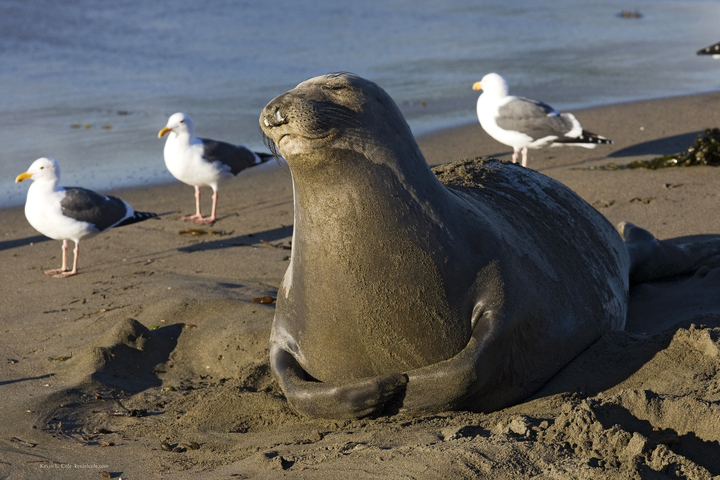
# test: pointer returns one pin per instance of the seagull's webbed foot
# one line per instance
(65, 274)
(55, 271)
(198, 219)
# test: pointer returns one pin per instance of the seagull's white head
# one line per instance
(178, 123)
(493, 85)
(41, 169)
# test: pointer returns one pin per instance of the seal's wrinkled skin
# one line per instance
(412, 292)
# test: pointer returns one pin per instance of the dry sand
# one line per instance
(163, 323)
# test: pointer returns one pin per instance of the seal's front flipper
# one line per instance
(462, 380)
(651, 259)
(349, 400)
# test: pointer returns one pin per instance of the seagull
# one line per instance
(201, 162)
(713, 50)
(523, 123)
(71, 213)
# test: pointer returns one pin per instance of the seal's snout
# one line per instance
(273, 116)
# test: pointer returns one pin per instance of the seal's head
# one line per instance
(335, 112)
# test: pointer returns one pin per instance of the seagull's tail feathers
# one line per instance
(264, 157)
(585, 139)
(713, 50)
(136, 217)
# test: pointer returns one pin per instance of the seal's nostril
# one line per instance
(278, 116)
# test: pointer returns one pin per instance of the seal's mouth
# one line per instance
(284, 136)
(293, 139)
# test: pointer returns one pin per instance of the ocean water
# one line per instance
(91, 83)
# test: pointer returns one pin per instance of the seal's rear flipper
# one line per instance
(354, 399)
(651, 259)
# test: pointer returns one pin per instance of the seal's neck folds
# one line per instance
(356, 196)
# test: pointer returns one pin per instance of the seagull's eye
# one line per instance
(182, 121)
(41, 168)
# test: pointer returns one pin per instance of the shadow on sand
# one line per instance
(661, 146)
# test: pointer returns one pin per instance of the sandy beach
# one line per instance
(157, 339)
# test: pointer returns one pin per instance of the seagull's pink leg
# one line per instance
(524, 157)
(212, 217)
(75, 262)
(64, 261)
(514, 156)
(214, 208)
(197, 218)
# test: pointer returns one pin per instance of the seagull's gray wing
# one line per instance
(237, 158)
(533, 118)
(98, 210)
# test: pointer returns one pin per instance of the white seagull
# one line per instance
(71, 213)
(713, 50)
(523, 123)
(201, 162)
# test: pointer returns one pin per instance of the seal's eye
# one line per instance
(333, 87)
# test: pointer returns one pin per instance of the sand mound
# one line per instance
(631, 406)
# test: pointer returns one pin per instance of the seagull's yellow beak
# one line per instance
(477, 86)
(164, 132)
(23, 176)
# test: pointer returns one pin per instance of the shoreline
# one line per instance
(163, 322)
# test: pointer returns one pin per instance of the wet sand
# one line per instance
(162, 323)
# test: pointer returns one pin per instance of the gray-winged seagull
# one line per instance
(523, 123)
(71, 213)
(201, 162)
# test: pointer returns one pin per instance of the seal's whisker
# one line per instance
(271, 145)
(340, 118)
(336, 112)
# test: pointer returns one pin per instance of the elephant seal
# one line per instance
(412, 291)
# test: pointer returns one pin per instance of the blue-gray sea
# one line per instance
(91, 83)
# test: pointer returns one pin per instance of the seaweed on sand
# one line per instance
(704, 151)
